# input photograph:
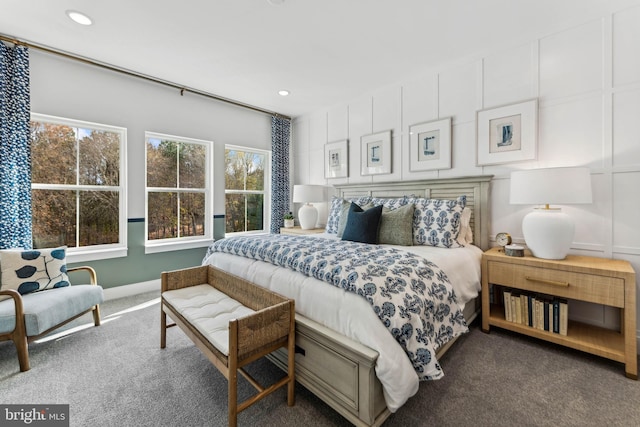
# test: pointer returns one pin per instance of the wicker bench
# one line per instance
(233, 322)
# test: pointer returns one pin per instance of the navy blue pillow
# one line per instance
(362, 226)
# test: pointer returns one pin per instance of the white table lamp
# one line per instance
(548, 232)
(307, 194)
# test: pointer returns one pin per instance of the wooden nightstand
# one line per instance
(297, 231)
(596, 280)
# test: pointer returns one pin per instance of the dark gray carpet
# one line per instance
(117, 375)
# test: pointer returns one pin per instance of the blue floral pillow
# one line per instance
(437, 222)
(336, 209)
(392, 204)
(34, 270)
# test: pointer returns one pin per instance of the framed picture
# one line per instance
(430, 145)
(507, 134)
(336, 159)
(375, 153)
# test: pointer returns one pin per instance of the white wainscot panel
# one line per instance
(505, 217)
(594, 314)
(301, 168)
(463, 151)
(571, 61)
(359, 125)
(317, 130)
(386, 109)
(626, 205)
(591, 219)
(316, 167)
(626, 43)
(510, 76)
(571, 134)
(338, 123)
(300, 135)
(626, 128)
(420, 101)
(458, 93)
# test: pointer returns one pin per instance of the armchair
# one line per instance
(25, 318)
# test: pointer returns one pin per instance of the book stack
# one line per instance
(537, 311)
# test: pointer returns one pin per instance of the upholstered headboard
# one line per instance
(476, 188)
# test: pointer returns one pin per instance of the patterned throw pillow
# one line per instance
(336, 209)
(394, 203)
(436, 222)
(33, 270)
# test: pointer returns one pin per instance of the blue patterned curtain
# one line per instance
(280, 135)
(15, 151)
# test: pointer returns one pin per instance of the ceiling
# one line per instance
(324, 52)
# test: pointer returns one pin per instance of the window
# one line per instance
(78, 187)
(178, 192)
(246, 189)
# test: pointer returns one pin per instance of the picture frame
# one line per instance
(430, 145)
(507, 133)
(375, 150)
(336, 159)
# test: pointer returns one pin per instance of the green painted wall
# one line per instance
(137, 266)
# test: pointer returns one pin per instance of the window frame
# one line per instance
(266, 223)
(104, 251)
(188, 242)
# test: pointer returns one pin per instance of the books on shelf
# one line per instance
(542, 312)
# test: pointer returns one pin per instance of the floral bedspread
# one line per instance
(411, 295)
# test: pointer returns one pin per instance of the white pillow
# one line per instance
(465, 237)
(34, 270)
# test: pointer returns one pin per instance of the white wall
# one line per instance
(67, 88)
(587, 80)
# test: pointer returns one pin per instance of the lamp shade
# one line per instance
(309, 193)
(549, 232)
(308, 214)
(561, 186)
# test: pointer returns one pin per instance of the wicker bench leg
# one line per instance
(232, 379)
(163, 328)
(291, 346)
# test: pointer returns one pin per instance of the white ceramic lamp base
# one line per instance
(548, 233)
(308, 216)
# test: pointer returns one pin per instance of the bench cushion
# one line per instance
(208, 310)
(46, 309)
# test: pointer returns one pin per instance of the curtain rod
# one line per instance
(131, 73)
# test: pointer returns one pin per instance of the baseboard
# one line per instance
(133, 289)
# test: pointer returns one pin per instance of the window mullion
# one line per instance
(77, 218)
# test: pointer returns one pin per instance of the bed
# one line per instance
(341, 355)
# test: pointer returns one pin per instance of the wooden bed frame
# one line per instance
(341, 371)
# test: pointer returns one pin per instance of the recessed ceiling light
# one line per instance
(79, 17)
(283, 92)
(275, 2)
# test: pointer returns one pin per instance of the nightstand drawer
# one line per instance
(566, 284)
